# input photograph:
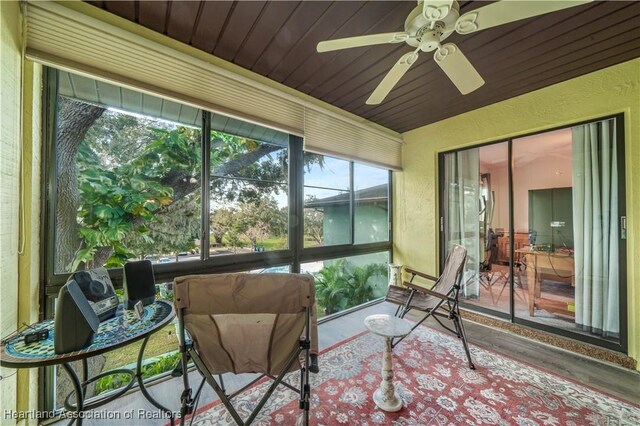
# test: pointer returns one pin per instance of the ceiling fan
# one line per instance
(430, 23)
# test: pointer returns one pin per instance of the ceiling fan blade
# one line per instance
(458, 68)
(435, 10)
(392, 77)
(365, 40)
(503, 12)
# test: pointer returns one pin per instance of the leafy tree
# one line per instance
(118, 201)
(234, 238)
(221, 223)
(175, 229)
(314, 223)
(261, 219)
(127, 185)
(74, 120)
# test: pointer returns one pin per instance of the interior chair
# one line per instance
(439, 301)
(488, 277)
(246, 323)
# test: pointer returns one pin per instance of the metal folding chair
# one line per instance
(440, 301)
(246, 323)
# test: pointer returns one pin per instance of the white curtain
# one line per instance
(595, 227)
(462, 220)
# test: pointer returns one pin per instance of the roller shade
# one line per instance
(67, 39)
(64, 38)
(325, 134)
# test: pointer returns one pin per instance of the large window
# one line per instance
(134, 176)
(131, 176)
(345, 202)
(127, 187)
(371, 204)
(541, 217)
(249, 195)
(327, 195)
(348, 281)
(128, 181)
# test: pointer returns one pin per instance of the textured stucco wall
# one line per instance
(10, 70)
(19, 200)
(29, 258)
(602, 93)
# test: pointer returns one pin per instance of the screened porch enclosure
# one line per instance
(135, 176)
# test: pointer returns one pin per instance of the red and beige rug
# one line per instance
(436, 387)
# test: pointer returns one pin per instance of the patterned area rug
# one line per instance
(436, 387)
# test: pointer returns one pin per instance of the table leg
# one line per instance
(77, 387)
(386, 397)
(143, 389)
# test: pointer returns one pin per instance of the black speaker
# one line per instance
(139, 283)
(97, 287)
(75, 320)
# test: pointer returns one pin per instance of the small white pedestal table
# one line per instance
(388, 327)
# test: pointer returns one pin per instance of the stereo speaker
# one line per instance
(75, 320)
(139, 283)
(97, 287)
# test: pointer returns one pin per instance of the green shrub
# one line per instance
(342, 285)
(115, 381)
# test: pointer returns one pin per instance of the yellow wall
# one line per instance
(29, 257)
(19, 268)
(609, 91)
(10, 68)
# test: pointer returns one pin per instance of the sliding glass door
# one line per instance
(542, 218)
(476, 215)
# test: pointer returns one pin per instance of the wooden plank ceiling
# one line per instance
(277, 39)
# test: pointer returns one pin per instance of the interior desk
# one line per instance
(557, 264)
(114, 333)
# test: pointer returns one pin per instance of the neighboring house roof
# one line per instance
(372, 195)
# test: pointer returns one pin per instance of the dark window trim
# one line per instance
(623, 344)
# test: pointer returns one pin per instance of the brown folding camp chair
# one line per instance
(439, 301)
(246, 323)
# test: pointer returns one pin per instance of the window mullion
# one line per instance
(205, 182)
(296, 200)
(352, 208)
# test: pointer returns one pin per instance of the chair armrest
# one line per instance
(420, 274)
(426, 291)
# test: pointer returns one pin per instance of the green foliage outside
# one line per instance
(274, 243)
(138, 190)
(342, 285)
(130, 186)
(159, 344)
(161, 365)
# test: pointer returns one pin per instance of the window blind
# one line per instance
(67, 39)
(324, 134)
